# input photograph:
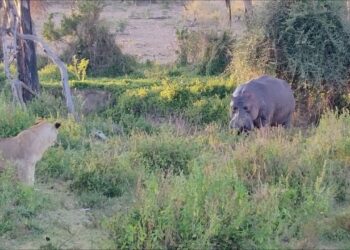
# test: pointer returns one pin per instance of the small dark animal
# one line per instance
(261, 102)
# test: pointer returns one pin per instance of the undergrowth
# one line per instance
(190, 183)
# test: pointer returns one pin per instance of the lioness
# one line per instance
(26, 149)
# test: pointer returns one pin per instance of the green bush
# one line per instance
(2, 75)
(205, 111)
(201, 101)
(92, 199)
(102, 170)
(209, 52)
(164, 153)
(211, 208)
(309, 39)
(71, 134)
(130, 123)
(13, 119)
(55, 164)
(18, 204)
(47, 105)
(273, 189)
(217, 55)
(51, 73)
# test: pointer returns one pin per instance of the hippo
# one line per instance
(261, 102)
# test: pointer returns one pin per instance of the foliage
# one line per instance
(164, 153)
(47, 105)
(79, 68)
(51, 73)
(267, 192)
(209, 52)
(217, 55)
(102, 170)
(13, 119)
(199, 101)
(91, 40)
(187, 182)
(309, 42)
(18, 204)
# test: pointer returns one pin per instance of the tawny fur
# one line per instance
(26, 149)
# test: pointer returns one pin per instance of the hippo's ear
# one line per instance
(57, 125)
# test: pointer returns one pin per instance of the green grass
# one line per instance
(173, 176)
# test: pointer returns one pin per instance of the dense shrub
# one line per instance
(102, 170)
(209, 52)
(55, 164)
(71, 134)
(304, 42)
(208, 110)
(51, 73)
(90, 39)
(217, 55)
(269, 191)
(211, 208)
(200, 101)
(47, 105)
(13, 119)
(166, 153)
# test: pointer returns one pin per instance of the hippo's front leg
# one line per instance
(263, 119)
(288, 121)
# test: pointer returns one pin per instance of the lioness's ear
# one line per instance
(57, 124)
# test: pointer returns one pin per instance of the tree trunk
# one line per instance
(228, 6)
(248, 8)
(26, 56)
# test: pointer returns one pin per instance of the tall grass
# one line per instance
(264, 191)
(193, 185)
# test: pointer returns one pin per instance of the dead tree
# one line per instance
(26, 56)
(9, 35)
(248, 8)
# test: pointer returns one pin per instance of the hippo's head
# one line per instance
(244, 111)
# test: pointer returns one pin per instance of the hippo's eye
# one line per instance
(234, 109)
(245, 108)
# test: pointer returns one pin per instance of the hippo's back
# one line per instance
(276, 94)
(271, 88)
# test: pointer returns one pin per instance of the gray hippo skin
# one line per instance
(261, 102)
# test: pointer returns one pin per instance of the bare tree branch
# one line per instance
(60, 65)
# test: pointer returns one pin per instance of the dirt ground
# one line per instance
(147, 30)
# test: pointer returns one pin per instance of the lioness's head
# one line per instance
(46, 131)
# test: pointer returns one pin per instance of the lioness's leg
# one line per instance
(25, 173)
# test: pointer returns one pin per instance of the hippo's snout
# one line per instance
(241, 126)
